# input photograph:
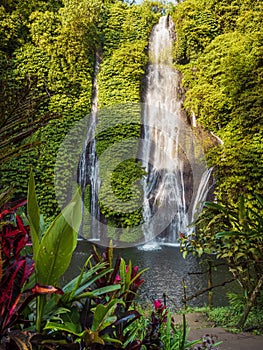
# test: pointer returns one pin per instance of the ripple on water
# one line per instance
(166, 270)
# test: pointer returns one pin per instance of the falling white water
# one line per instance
(202, 193)
(194, 120)
(89, 166)
(169, 150)
(220, 141)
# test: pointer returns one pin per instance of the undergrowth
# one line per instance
(228, 316)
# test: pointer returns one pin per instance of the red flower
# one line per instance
(137, 281)
(158, 305)
(160, 309)
(117, 279)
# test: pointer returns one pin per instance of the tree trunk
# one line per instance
(251, 302)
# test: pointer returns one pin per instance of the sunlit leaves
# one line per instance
(224, 88)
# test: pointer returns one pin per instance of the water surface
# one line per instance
(167, 268)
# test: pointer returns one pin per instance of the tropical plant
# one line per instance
(96, 308)
(15, 269)
(52, 249)
(94, 311)
(158, 330)
(233, 233)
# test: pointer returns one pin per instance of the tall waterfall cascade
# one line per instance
(177, 180)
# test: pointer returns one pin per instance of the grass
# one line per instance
(228, 316)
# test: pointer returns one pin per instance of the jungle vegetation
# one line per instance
(47, 63)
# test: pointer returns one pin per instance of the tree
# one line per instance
(234, 234)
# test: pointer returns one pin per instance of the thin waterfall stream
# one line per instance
(89, 165)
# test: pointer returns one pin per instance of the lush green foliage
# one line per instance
(229, 316)
(219, 50)
(233, 233)
(47, 70)
(126, 35)
(57, 51)
(61, 61)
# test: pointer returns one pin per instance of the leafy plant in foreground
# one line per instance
(97, 306)
(53, 248)
(158, 330)
(15, 270)
(94, 311)
(88, 313)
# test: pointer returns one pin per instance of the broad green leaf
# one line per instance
(108, 339)
(214, 220)
(83, 277)
(33, 214)
(199, 251)
(57, 245)
(102, 312)
(99, 291)
(66, 327)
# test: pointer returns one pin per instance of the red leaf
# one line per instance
(12, 209)
(43, 289)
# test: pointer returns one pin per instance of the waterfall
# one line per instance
(193, 120)
(89, 166)
(171, 154)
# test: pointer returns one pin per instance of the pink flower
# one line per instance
(137, 281)
(117, 279)
(160, 309)
(158, 305)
